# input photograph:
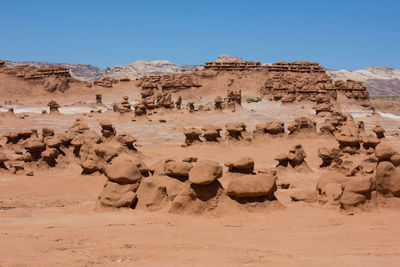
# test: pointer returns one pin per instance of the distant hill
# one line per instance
(145, 68)
(380, 81)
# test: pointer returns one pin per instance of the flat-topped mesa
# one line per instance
(296, 66)
(233, 65)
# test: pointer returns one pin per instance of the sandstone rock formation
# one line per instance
(53, 105)
(252, 186)
(52, 78)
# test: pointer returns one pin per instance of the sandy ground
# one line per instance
(49, 220)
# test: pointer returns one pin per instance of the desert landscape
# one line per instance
(200, 133)
(233, 163)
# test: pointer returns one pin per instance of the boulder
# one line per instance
(55, 141)
(332, 191)
(205, 172)
(306, 195)
(50, 155)
(118, 195)
(328, 177)
(275, 127)
(384, 152)
(395, 159)
(177, 169)
(242, 165)
(123, 171)
(379, 131)
(259, 185)
(350, 199)
(47, 132)
(360, 185)
(127, 139)
(388, 179)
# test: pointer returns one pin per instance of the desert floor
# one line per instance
(50, 218)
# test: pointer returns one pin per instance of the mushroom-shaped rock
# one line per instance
(369, 141)
(127, 140)
(35, 146)
(192, 135)
(218, 103)
(99, 99)
(325, 154)
(296, 155)
(54, 106)
(379, 131)
(177, 169)
(123, 171)
(348, 136)
(234, 130)
(275, 127)
(211, 132)
(384, 152)
(242, 165)
(205, 172)
(107, 128)
(259, 185)
(191, 107)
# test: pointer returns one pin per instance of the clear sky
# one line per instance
(338, 34)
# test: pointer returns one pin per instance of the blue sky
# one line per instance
(338, 34)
